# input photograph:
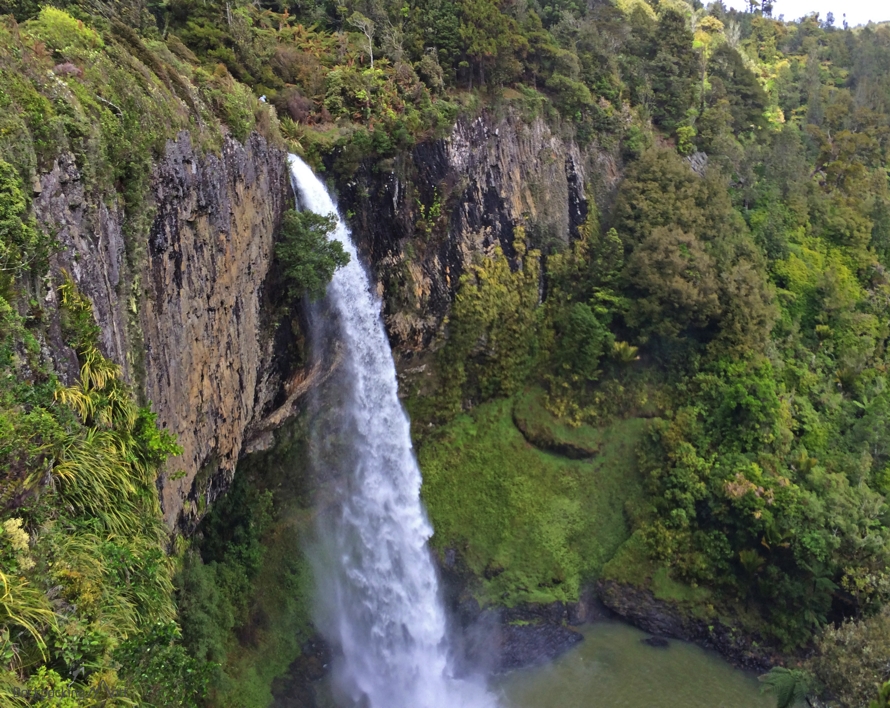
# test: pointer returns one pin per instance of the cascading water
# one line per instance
(377, 587)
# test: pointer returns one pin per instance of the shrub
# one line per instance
(158, 667)
(22, 246)
(852, 658)
(582, 342)
(493, 328)
(789, 686)
(63, 33)
(307, 256)
(232, 102)
(571, 97)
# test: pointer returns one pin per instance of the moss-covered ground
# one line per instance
(547, 432)
(531, 525)
(632, 565)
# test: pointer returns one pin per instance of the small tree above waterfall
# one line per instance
(308, 259)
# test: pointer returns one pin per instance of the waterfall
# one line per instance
(378, 593)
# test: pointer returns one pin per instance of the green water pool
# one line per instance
(612, 668)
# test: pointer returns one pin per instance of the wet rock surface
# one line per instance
(530, 640)
(657, 642)
(499, 639)
(666, 619)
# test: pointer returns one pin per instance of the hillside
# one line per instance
(634, 262)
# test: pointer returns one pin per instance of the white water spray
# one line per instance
(377, 586)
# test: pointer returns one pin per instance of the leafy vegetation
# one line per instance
(790, 686)
(490, 348)
(86, 583)
(883, 699)
(733, 293)
(244, 588)
(852, 658)
(307, 255)
(86, 580)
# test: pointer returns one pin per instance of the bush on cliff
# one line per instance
(23, 247)
(307, 255)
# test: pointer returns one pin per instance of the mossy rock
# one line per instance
(546, 432)
(632, 565)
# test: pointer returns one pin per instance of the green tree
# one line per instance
(490, 37)
(732, 80)
(852, 657)
(366, 26)
(673, 284)
(747, 298)
(673, 69)
(660, 189)
(493, 328)
(307, 255)
(581, 342)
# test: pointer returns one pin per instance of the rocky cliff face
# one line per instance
(426, 217)
(186, 308)
(183, 308)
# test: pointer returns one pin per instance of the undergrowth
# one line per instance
(244, 590)
(531, 525)
(85, 589)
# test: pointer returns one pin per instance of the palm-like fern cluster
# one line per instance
(84, 571)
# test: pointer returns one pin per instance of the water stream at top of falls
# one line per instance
(378, 596)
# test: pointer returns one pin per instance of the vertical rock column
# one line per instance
(208, 350)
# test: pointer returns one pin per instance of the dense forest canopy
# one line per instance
(736, 287)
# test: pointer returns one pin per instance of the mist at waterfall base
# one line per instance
(378, 600)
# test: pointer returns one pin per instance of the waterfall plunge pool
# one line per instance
(612, 668)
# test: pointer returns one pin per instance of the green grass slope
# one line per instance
(532, 525)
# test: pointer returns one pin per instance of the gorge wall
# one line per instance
(424, 215)
(186, 310)
(182, 309)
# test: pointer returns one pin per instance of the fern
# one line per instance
(788, 685)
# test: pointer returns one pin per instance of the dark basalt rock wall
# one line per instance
(665, 619)
(183, 308)
(424, 216)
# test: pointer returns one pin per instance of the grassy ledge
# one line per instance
(532, 525)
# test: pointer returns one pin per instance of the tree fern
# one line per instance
(788, 685)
